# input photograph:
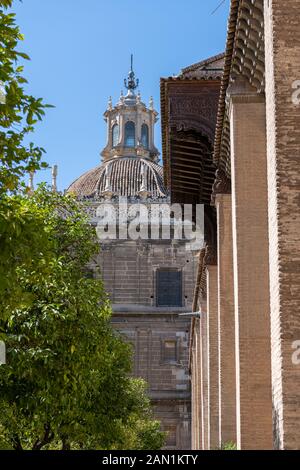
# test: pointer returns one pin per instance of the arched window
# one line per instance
(129, 134)
(115, 135)
(145, 136)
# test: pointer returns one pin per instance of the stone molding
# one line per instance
(210, 257)
(222, 185)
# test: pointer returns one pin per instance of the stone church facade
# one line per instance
(150, 281)
(242, 162)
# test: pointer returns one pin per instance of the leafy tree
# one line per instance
(228, 446)
(21, 242)
(19, 112)
(140, 432)
(67, 383)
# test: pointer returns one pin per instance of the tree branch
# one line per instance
(16, 443)
(65, 443)
(47, 438)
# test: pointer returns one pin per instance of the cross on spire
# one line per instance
(132, 83)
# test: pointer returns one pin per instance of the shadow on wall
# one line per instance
(276, 429)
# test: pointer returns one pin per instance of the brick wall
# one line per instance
(282, 44)
(251, 266)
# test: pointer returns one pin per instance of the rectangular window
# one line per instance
(168, 288)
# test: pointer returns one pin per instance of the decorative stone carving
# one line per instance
(130, 108)
(54, 178)
(241, 86)
(210, 257)
(143, 192)
(222, 185)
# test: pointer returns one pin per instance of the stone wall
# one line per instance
(129, 269)
(159, 335)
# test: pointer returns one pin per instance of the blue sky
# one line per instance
(80, 54)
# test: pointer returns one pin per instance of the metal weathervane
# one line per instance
(132, 83)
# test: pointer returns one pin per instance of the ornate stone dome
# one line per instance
(130, 157)
(121, 176)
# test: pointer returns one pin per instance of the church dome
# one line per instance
(121, 176)
(129, 167)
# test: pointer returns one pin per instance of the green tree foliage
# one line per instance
(21, 242)
(66, 383)
(228, 446)
(19, 112)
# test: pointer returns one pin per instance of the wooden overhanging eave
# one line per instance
(193, 152)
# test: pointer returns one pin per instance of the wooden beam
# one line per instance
(196, 148)
(187, 159)
(181, 163)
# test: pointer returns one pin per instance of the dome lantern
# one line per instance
(130, 125)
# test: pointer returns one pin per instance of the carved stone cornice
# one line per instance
(211, 256)
(244, 57)
(222, 185)
(241, 91)
(210, 259)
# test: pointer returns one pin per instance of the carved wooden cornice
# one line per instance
(196, 112)
(207, 68)
(189, 105)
